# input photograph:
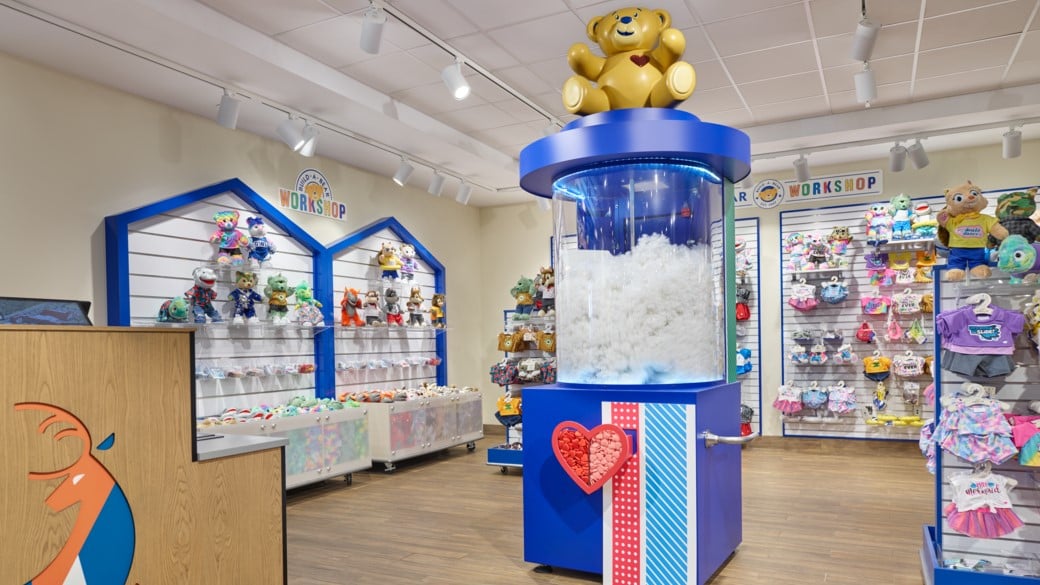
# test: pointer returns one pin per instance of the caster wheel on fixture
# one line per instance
(471, 446)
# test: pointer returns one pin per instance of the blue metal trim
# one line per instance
(117, 273)
(783, 324)
(439, 278)
(618, 136)
(685, 387)
(937, 276)
(758, 311)
(325, 340)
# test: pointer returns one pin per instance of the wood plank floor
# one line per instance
(815, 511)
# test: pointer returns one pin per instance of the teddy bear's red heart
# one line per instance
(590, 456)
(640, 59)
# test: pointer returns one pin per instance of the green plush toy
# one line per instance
(173, 311)
(1014, 212)
(523, 292)
(278, 292)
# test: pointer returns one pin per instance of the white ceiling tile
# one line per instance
(481, 49)
(989, 53)
(434, 99)
(779, 112)
(984, 23)
(947, 6)
(782, 89)
(713, 100)
(697, 47)
(273, 16)
(761, 30)
(483, 87)
(541, 39)
(481, 117)
(526, 81)
(677, 10)
(553, 102)
(437, 16)
(488, 15)
(1030, 48)
(774, 62)
(738, 118)
(1026, 68)
(512, 135)
(432, 55)
(893, 40)
(714, 10)
(346, 6)
(888, 95)
(710, 75)
(399, 34)
(520, 111)
(958, 83)
(393, 72)
(886, 72)
(832, 17)
(344, 48)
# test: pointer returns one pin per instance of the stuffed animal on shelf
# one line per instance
(523, 293)
(1014, 212)
(408, 262)
(174, 310)
(1018, 257)
(260, 248)
(547, 290)
(794, 247)
(392, 308)
(278, 292)
(924, 226)
(818, 252)
(437, 318)
(388, 261)
(839, 239)
(641, 67)
(307, 307)
(373, 314)
(201, 295)
(415, 308)
(879, 224)
(351, 308)
(245, 298)
(902, 211)
(966, 229)
(230, 240)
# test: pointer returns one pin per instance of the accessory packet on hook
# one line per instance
(865, 333)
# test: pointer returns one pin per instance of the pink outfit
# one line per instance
(975, 432)
(981, 507)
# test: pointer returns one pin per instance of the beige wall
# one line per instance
(73, 152)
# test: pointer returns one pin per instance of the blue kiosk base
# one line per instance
(671, 514)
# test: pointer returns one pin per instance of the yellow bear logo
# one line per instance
(641, 67)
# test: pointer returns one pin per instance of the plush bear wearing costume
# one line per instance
(523, 293)
(641, 66)
(201, 296)
(260, 248)
(230, 240)
(278, 293)
(245, 298)
(1014, 212)
(351, 308)
(902, 212)
(879, 224)
(966, 230)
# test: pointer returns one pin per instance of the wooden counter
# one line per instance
(133, 497)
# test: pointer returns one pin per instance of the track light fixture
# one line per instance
(310, 139)
(404, 170)
(1012, 143)
(866, 85)
(801, 168)
(918, 157)
(464, 192)
(372, 23)
(436, 184)
(290, 134)
(455, 81)
(863, 40)
(227, 112)
(897, 158)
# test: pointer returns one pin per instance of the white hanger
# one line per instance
(877, 353)
(981, 302)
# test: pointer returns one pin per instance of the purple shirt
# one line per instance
(964, 331)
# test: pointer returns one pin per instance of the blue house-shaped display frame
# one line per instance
(338, 247)
(117, 259)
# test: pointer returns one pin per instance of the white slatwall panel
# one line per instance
(751, 383)
(847, 317)
(1017, 389)
(164, 250)
(361, 352)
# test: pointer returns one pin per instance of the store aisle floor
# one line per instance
(815, 511)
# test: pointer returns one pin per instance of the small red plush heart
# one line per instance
(590, 457)
(640, 59)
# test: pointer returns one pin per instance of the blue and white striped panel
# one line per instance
(669, 499)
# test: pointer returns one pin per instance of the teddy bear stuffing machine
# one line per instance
(631, 461)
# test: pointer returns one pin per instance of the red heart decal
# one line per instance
(590, 457)
(640, 59)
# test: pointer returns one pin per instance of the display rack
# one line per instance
(846, 318)
(749, 331)
(1018, 551)
(403, 430)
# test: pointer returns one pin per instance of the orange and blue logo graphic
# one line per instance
(100, 546)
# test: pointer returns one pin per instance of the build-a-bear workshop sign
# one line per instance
(313, 196)
(770, 193)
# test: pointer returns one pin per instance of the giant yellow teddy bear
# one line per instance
(641, 67)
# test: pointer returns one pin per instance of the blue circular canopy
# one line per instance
(636, 134)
